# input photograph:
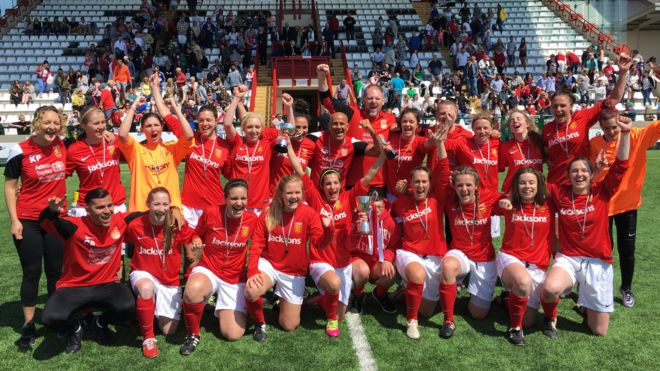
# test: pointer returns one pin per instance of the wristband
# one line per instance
(625, 131)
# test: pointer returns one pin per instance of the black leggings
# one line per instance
(626, 229)
(37, 245)
(115, 299)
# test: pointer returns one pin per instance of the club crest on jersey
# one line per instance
(115, 234)
(482, 208)
(218, 153)
(383, 124)
(245, 231)
(344, 151)
(298, 227)
(111, 149)
(57, 151)
(260, 149)
(493, 152)
(541, 208)
(572, 126)
(338, 205)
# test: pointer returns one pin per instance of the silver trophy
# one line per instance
(290, 129)
(364, 205)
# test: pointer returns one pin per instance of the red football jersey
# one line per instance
(251, 162)
(583, 219)
(97, 165)
(529, 233)
(202, 187)
(470, 226)
(423, 231)
(457, 133)
(482, 158)
(564, 142)
(42, 173)
(285, 247)
(92, 254)
(382, 124)
(410, 154)
(337, 251)
(516, 155)
(280, 165)
(329, 155)
(149, 254)
(226, 241)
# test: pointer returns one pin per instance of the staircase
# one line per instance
(262, 103)
(423, 10)
(337, 72)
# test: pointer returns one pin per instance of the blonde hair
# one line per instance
(465, 170)
(249, 116)
(530, 122)
(274, 212)
(38, 118)
(483, 115)
(85, 118)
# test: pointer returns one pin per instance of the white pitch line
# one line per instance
(360, 343)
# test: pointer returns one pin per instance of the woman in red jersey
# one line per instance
(223, 232)
(525, 253)
(567, 136)
(279, 255)
(96, 161)
(39, 164)
(372, 257)
(471, 250)
(585, 255)
(303, 146)
(411, 151)
(330, 265)
(155, 267)
(525, 149)
(422, 242)
(250, 155)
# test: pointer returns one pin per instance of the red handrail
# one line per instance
(255, 81)
(587, 27)
(273, 92)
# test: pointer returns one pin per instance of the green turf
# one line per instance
(630, 344)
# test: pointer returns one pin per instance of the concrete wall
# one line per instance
(644, 41)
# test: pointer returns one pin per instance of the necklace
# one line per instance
(286, 236)
(425, 223)
(529, 146)
(101, 170)
(583, 224)
(161, 253)
(563, 146)
(486, 160)
(205, 161)
(465, 221)
(334, 161)
(531, 235)
(156, 167)
(250, 157)
(236, 233)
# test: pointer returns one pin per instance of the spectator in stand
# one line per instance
(560, 59)
(28, 93)
(342, 92)
(43, 74)
(648, 84)
(415, 42)
(462, 59)
(435, 67)
(333, 24)
(377, 58)
(471, 76)
(522, 52)
(349, 27)
(573, 62)
(234, 77)
(182, 28)
(15, 93)
(107, 101)
(511, 52)
(497, 85)
(500, 60)
(501, 17)
(122, 75)
(397, 84)
(22, 126)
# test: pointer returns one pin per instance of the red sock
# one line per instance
(145, 309)
(380, 291)
(192, 314)
(256, 310)
(413, 299)
(448, 294)
(550, 309)
(358, 291)
(517, 308)
(331, 301)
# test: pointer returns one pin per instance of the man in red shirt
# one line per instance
(372, 110)
(92, 259)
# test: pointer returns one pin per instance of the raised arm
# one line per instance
(295, 162)
(161, 107)
(185, 125)
(125, 127)
(624, 64)
(322, 72)
(625, 124)
(287, 102)
(230, 112)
